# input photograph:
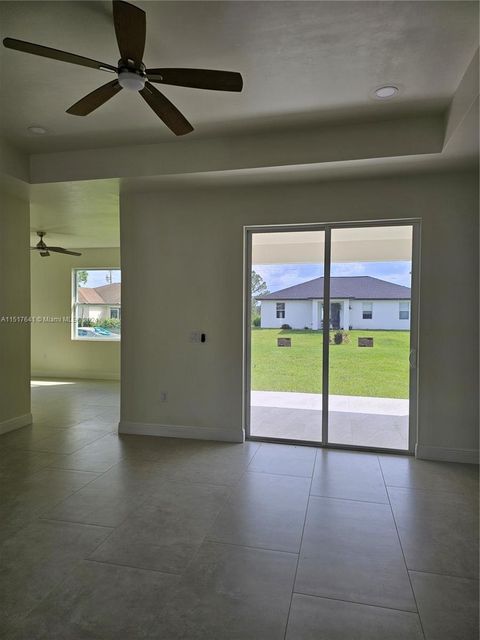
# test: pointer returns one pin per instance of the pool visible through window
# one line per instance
(96, 313)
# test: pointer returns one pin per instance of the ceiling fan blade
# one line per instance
(130, 29)
(56, 54)
(95, 99)
(62, 250)
(165, 110)
(198, 78)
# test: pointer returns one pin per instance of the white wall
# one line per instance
(54, 353)
(384, 316)
(14, 301)
(298, 314)
(182, 260)
(95, 312)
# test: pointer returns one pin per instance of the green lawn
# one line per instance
(381, 371)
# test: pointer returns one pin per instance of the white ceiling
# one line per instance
(76, 214)
(301, 62)
(367, 244)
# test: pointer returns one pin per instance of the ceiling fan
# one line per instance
(130, 29)
(44, 251)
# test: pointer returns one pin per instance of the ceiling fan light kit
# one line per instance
(130, 30)
(131, 80)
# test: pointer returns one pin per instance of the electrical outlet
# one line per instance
(163, 396)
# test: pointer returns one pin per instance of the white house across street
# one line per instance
(356, 302)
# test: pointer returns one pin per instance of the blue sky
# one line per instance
(97, 278)
(280, 276)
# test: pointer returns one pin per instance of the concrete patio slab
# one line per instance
(354, 420)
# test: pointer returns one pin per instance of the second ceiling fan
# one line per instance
(130, 30)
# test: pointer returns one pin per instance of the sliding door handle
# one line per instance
(412, 358)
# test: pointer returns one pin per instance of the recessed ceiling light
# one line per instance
(386, 92)
(37, 131)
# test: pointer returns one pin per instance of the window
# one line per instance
(96, 313)
(280, 310)
(404, 311)
(367, 310)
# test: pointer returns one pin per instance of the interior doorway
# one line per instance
(331, 334)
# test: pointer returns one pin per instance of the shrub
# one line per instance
(109, 323)
(339, 337)
(286, 327)
(85, 322)
(256, 321)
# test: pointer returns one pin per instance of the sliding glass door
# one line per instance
(369, 370)
(286, 346)
(331, 335)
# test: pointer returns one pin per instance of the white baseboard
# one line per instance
(425, 452)
(180, 431)
(76, 375)
(15, 423)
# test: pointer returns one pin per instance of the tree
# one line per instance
(259, 288)
(82, 277)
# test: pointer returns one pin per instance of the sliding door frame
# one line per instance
(327, 228)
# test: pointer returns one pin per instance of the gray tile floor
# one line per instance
(105, 537)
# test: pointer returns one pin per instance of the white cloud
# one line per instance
(281, 276)
(348, 269)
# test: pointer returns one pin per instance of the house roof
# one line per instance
(106, 294)
(359, 287)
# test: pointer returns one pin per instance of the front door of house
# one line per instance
(335, 315)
